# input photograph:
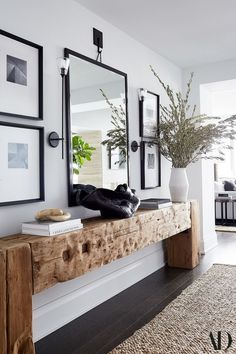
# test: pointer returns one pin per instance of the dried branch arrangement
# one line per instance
(184, 138)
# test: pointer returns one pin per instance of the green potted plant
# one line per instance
(82, 152)
(184, 138)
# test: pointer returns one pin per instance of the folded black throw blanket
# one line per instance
(120, 203)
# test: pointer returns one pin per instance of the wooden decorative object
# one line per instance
(30, 264)
(183, 249)
(53, 214)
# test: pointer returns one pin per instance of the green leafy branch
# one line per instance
(82, 152)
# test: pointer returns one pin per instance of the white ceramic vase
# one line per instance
(178, 185)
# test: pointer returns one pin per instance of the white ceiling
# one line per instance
(188, 32)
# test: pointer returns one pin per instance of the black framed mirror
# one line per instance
(97, 125)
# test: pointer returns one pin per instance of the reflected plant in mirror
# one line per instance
(117, 138)
(82, 152)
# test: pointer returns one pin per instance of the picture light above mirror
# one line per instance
(97, 125)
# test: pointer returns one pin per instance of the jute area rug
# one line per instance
(184, 326)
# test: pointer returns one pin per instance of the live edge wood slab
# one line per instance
(30, 264)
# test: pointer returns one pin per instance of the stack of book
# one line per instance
(155, 203)
(51, 228)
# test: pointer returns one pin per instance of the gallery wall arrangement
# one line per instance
(21, 145)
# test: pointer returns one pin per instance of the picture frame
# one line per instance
(22, 164)
(149, 115)
(150, 165)
(21, 77)
(115, 159)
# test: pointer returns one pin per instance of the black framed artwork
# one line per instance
(149, 115)
(115, 160)
(150, 165)
(21, 77)
(22, 164)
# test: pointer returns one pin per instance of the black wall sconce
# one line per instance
(142, 94)
(134, 146)
(53, 138)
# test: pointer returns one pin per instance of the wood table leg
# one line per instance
(183, 248)
(3, 302)
(19, 294)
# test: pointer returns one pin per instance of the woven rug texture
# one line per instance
(184, 326)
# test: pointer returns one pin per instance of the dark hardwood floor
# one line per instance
(103, 328)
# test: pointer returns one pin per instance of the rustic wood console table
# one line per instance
(30, 264)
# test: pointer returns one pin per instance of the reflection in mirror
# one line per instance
(97, 124)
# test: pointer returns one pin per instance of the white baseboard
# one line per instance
(209, 242)
(61, 304)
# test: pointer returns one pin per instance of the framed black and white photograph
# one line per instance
(21, 77)
(150, 165)
(116, 161)
(22, 164)
(149, 115)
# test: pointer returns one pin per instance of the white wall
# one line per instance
(201, 175)
(56, 24)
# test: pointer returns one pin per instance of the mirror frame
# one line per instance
(67, 53)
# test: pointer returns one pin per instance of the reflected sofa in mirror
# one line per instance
(97, 124)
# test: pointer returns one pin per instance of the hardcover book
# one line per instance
(50, 228)
(155, 203)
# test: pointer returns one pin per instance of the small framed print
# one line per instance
(150, 165)
(22, 164)
(149, 115)
(116, 160)
(21, 77)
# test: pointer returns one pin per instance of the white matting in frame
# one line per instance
(150, 166)
(149, 115)
(20, 77)
(21, 156)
